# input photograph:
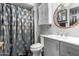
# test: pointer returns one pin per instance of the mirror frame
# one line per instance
(55, 20)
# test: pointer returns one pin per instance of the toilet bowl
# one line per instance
(36, 49)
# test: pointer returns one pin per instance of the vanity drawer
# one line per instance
(67, 49)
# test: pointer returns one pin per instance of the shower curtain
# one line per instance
(16, 29)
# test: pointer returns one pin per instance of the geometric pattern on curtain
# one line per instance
(17, 29)
(5, 27)
(23, 31)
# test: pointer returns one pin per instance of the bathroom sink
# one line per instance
(58, 36)
(69, 39)
(55, 36)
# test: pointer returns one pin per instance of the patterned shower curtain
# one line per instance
(16, 29)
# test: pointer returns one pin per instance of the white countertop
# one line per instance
(68, 39)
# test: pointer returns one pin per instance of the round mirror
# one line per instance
(66, 15)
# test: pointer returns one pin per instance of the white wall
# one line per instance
(37, 28)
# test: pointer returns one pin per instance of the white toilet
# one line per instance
(36, 49)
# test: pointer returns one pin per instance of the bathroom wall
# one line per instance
(53, 29)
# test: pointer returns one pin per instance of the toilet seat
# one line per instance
(36, 49)
(36, 45)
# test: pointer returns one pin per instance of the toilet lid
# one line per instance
(36, 45)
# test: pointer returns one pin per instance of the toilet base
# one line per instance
(37, 53)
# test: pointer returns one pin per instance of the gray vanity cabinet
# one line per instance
(58, 48)
(51, 47)
(67, 49)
